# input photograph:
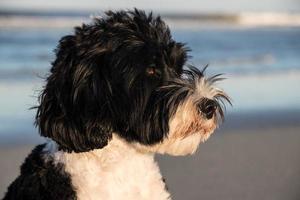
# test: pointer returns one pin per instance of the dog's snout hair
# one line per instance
(186, 125)
(193, 84)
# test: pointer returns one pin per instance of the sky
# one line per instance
(192, 6)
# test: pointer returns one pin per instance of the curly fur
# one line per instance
(116, 94)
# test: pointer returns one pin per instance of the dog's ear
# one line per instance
(74, 106)
(178, 55)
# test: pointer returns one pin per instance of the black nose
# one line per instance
(207, 107)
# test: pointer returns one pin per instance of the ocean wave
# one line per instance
(238, 20)
(174, 20)
(269, 19)
(40, 22)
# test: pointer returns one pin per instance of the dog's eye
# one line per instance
(151, 71)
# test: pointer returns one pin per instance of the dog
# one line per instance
(118, 92)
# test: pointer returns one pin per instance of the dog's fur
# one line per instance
(116, 94)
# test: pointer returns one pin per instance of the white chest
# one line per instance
(114, 172)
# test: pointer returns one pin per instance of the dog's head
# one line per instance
(124, 74)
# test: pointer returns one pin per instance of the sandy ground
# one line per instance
(243, 165)
(262, 163)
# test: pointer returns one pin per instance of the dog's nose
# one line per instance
(207, 107)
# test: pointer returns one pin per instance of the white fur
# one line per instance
(118, 171)
(204, 88)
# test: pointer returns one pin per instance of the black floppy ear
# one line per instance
(74, 109)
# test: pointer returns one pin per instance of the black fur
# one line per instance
(41, 180)
(99, 83)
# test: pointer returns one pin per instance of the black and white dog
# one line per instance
(117, 94)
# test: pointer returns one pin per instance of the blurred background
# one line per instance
(254, 155)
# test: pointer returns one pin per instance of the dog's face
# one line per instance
(124, 74)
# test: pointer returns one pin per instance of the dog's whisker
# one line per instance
(216, 78)
(204, 69)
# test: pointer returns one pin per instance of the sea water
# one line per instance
(261, 64)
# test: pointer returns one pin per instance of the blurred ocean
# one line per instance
(260, 56)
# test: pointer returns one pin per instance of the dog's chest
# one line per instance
(114, 173)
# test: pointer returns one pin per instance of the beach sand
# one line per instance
(241, 165)
(259, 159)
